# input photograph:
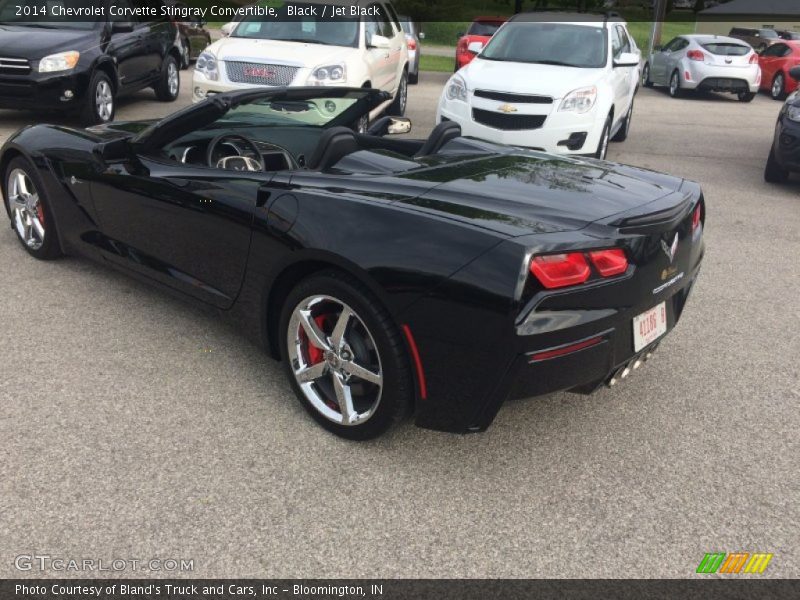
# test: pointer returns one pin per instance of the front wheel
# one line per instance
(398, 106)
(775, 173)
(344, 357)
(30, 212)
(602, 147)
(99, 105)
(169, 86)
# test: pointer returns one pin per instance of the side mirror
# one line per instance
(421, 35)
(794, 73)
(114, 151)
(378, 41)
(475, 47)
(227, 29)
(627, 59)
(121, 27)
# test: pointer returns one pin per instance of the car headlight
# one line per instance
(580, 101)
(456, 89)
(207, 65)
(63, 61)
(793, 113)
(328, 74)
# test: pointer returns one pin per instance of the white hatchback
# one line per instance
(565, 85)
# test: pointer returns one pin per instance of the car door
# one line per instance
(185, 226)
(658, 67)
(620, 76)
(630, 75)
(397, 40)
(770, 61)
(126, 49)
(377, 59)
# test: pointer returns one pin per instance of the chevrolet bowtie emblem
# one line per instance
(507, 108)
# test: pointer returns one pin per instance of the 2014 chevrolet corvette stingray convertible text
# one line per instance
(391, 276)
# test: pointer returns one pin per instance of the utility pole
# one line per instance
(659, 14)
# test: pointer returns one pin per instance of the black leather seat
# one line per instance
(441, 134)
(333, 145)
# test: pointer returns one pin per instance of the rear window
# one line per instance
(727, 49)
(484, 27)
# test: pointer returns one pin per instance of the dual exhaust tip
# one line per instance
(632, 365)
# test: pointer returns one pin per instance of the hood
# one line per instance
(291, 53)
(34, 43)
(524, 78)
(522, 193)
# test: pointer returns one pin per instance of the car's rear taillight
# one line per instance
(412, 44)
(697, 216)
(696, 55)
(560, 270)
(609, 262)
(754, 59)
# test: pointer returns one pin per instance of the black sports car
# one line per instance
(784, 156)
(436, 277)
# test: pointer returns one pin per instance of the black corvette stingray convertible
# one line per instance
(391, 276)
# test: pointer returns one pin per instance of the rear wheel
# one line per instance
(99, 105)
(30, 212)
(646, 81)
(675, 85)
(398, 106)
(778, 89)
(344, 357)
(413, 78)
(602, 147)
(169, 86)
(746, 96)
(775, 173)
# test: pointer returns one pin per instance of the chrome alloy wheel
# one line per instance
(777, 86)
(674, 84)
(27, 211)
(104, 101)
(403, 93)
(172, 78)
(334, 360)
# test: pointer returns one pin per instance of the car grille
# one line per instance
(259, 73)
(14, 66)
(519, 98)
(508, 122)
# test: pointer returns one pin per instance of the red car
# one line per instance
(480, 30)
(775, 63)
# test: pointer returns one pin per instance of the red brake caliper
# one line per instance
(40, 212)
(315, 355)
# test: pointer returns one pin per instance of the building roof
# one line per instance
(783, 8)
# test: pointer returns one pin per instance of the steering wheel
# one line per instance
(242, 160)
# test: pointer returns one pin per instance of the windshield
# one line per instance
(52, 14)
(329, 31)
(769, 33)
(582, 46)
(487, 28)
(281, 112)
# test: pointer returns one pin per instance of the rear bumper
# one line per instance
(57, 91)
(720, 79)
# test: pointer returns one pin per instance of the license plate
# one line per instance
(649, 326)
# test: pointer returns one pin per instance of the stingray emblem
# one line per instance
(670, 250)
(507, 108)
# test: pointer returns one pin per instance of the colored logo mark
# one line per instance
(735, 562)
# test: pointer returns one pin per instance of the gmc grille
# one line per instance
(260, 73)
(509, 122)
(519, 98)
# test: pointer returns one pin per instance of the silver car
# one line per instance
(707, 63)
(413, 38)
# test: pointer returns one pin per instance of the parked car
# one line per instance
(431, 277)
(480, 30)
(81, 67)
(565, 86)
(413, 39)
(776, 62)
(704, 62)
(789, 35)
(760, 39)
(784, 156)
(284, 51)
(193, 37)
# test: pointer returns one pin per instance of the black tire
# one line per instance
(602, 146)
(646, 81)
(50, 247)
(413, 78)
(675, 85)
(398, 106)
(746, 96)
(387, 346)
(186, 54)
(625, 128)
(169, 84)
(774, 172)
(778, 89)
(99, 105)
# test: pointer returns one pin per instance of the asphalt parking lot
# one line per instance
(135, 426)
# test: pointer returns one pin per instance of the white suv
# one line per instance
(303, 45)
(564, 85)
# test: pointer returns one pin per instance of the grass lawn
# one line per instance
(443, 64)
